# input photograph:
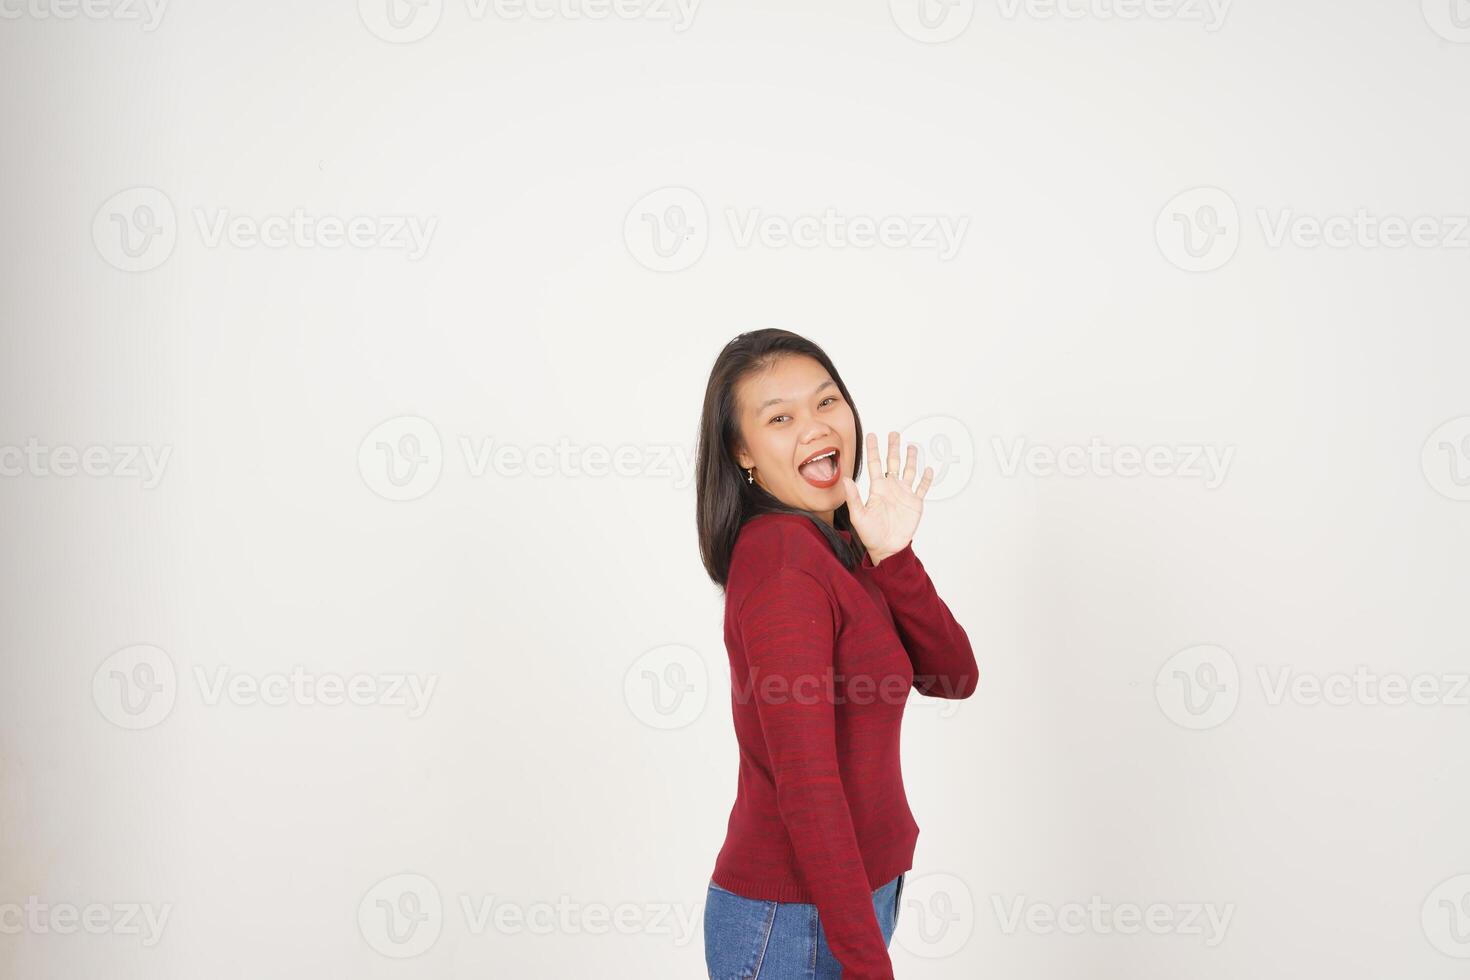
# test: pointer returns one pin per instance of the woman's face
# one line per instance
(788, 414)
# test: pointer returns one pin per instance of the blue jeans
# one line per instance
(751, 939)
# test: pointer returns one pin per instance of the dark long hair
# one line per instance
(724, 501)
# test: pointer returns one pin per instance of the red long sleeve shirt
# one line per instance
(821, 663)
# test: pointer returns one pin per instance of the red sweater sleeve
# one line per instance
(944, 664)
(787, 627)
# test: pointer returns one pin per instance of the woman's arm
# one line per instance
(944, 664)
(788, 631)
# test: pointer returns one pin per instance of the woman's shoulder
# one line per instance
(787, 548)
(767, 543)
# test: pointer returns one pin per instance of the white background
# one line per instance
(546, 767)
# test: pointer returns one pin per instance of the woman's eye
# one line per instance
(824, 401)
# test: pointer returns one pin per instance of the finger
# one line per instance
(910, 464)
(850, 491)
(892, 454)
(875, 462)
(926, 482)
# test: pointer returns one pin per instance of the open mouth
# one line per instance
(821, 469)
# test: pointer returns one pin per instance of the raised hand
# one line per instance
(886, 523)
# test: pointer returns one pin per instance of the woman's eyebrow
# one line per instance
(777, 401)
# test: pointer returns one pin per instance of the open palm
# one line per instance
(887, 522)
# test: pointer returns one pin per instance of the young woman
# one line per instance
(830, 620)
